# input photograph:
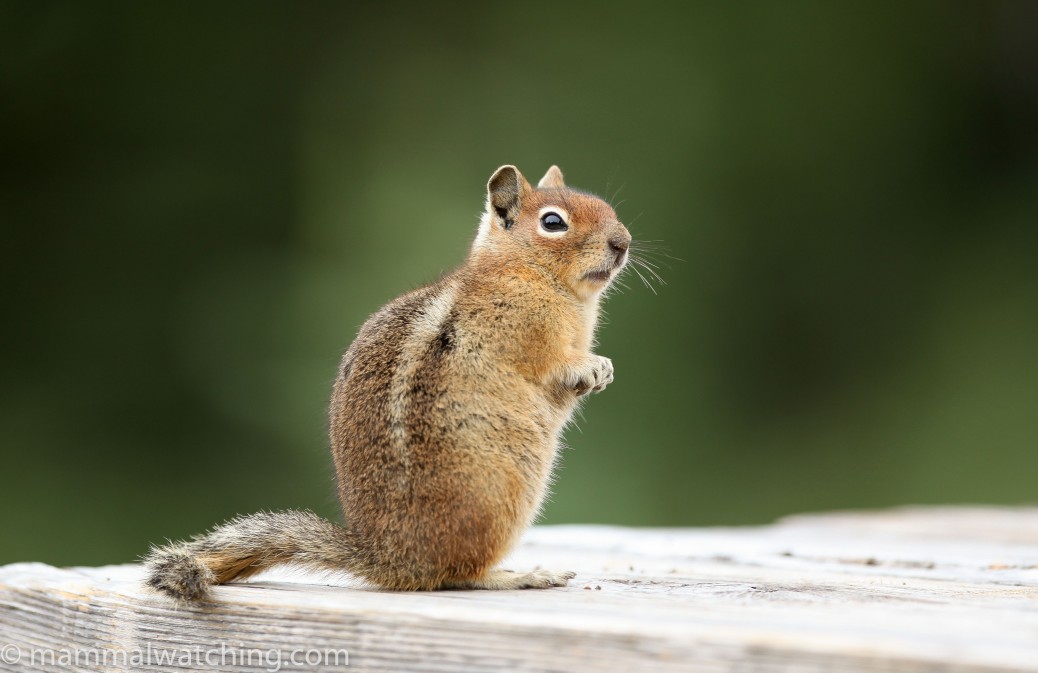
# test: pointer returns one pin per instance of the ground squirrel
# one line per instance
(447, 410)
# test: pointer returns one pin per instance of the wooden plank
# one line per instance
(924, 589)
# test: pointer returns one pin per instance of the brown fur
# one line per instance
(446, 414)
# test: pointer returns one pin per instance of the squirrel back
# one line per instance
(447, 410)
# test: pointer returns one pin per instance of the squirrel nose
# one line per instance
(619, 244)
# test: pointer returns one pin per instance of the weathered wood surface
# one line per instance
(923, 589)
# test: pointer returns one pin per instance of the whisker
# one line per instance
(652, 248)
(648, 245)
(644, 280)
(645, 264)
(618, 285)
(616, 194)
(657, 278)
(652, 273)
(646, 260)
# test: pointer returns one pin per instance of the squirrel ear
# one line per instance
(552, 179)
(505, 191)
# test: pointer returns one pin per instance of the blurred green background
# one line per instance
(202, 202)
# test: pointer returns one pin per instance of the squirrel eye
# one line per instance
(553, 222)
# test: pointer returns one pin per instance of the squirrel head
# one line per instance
(574, 235)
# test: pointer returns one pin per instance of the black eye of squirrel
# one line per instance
(553, 222)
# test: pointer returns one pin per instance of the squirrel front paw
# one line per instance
(593, 374)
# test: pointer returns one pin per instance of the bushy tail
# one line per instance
(248, 545)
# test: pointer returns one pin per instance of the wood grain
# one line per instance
(920, 589)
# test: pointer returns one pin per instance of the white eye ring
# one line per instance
(559, 213)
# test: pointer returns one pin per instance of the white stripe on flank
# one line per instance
(424, 329)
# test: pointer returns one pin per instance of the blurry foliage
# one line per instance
(202, 202)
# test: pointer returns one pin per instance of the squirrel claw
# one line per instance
(591, 376)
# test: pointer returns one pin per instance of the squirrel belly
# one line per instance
(447, 411)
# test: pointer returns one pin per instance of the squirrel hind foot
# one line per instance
(503, 580)
(179, 574)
